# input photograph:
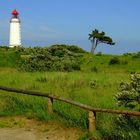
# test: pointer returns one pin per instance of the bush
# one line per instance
(93, 84)
(128, 127)
(129, 95)
(136, 55)
(71, 48)
(54, 58)
(114, 60)
(127, 54)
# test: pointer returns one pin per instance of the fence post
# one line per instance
(92, 122)
(50, 105)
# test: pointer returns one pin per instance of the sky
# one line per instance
(49, 22)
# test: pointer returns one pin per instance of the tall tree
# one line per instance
(97, 37)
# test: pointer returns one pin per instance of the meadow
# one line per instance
(95, 84)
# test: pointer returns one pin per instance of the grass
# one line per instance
(72, 85)
(8, 57)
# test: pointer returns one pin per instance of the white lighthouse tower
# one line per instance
(15, 32)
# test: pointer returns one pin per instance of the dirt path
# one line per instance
(19, 128)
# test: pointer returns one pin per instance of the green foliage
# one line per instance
(100, 36)
(128, 127)
(71, 48)
(129, 95)
(93, 84)
(133, 55)
(20, 59)
(136, 55)
(114, 60)
(127, 54)
(54, 58)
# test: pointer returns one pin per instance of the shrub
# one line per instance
(128, 127)
(93, 84)
(136, 55)
(114, 60)
(71, 48)
(129, 95)
(54, 58)
(127, 54)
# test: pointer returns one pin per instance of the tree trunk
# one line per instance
(94, 45)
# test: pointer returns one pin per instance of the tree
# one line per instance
(97, 37)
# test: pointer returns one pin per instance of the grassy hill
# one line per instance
(67, 58)
(95, 84)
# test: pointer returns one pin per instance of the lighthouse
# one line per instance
(15, 31)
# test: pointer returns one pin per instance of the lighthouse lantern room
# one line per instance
(15, 32)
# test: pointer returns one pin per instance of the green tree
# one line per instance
(97, 37)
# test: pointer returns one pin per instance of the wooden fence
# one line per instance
(91, 111)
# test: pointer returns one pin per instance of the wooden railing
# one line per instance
(91, 111)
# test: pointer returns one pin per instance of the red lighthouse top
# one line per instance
(15, 12)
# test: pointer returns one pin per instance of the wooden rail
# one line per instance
(91, 111)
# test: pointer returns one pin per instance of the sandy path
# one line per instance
(24, 129)
(22, 134)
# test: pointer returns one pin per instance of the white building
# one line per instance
(15, 31)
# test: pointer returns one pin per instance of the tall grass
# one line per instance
(73, 85)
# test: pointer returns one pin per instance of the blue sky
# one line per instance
(48, 22)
